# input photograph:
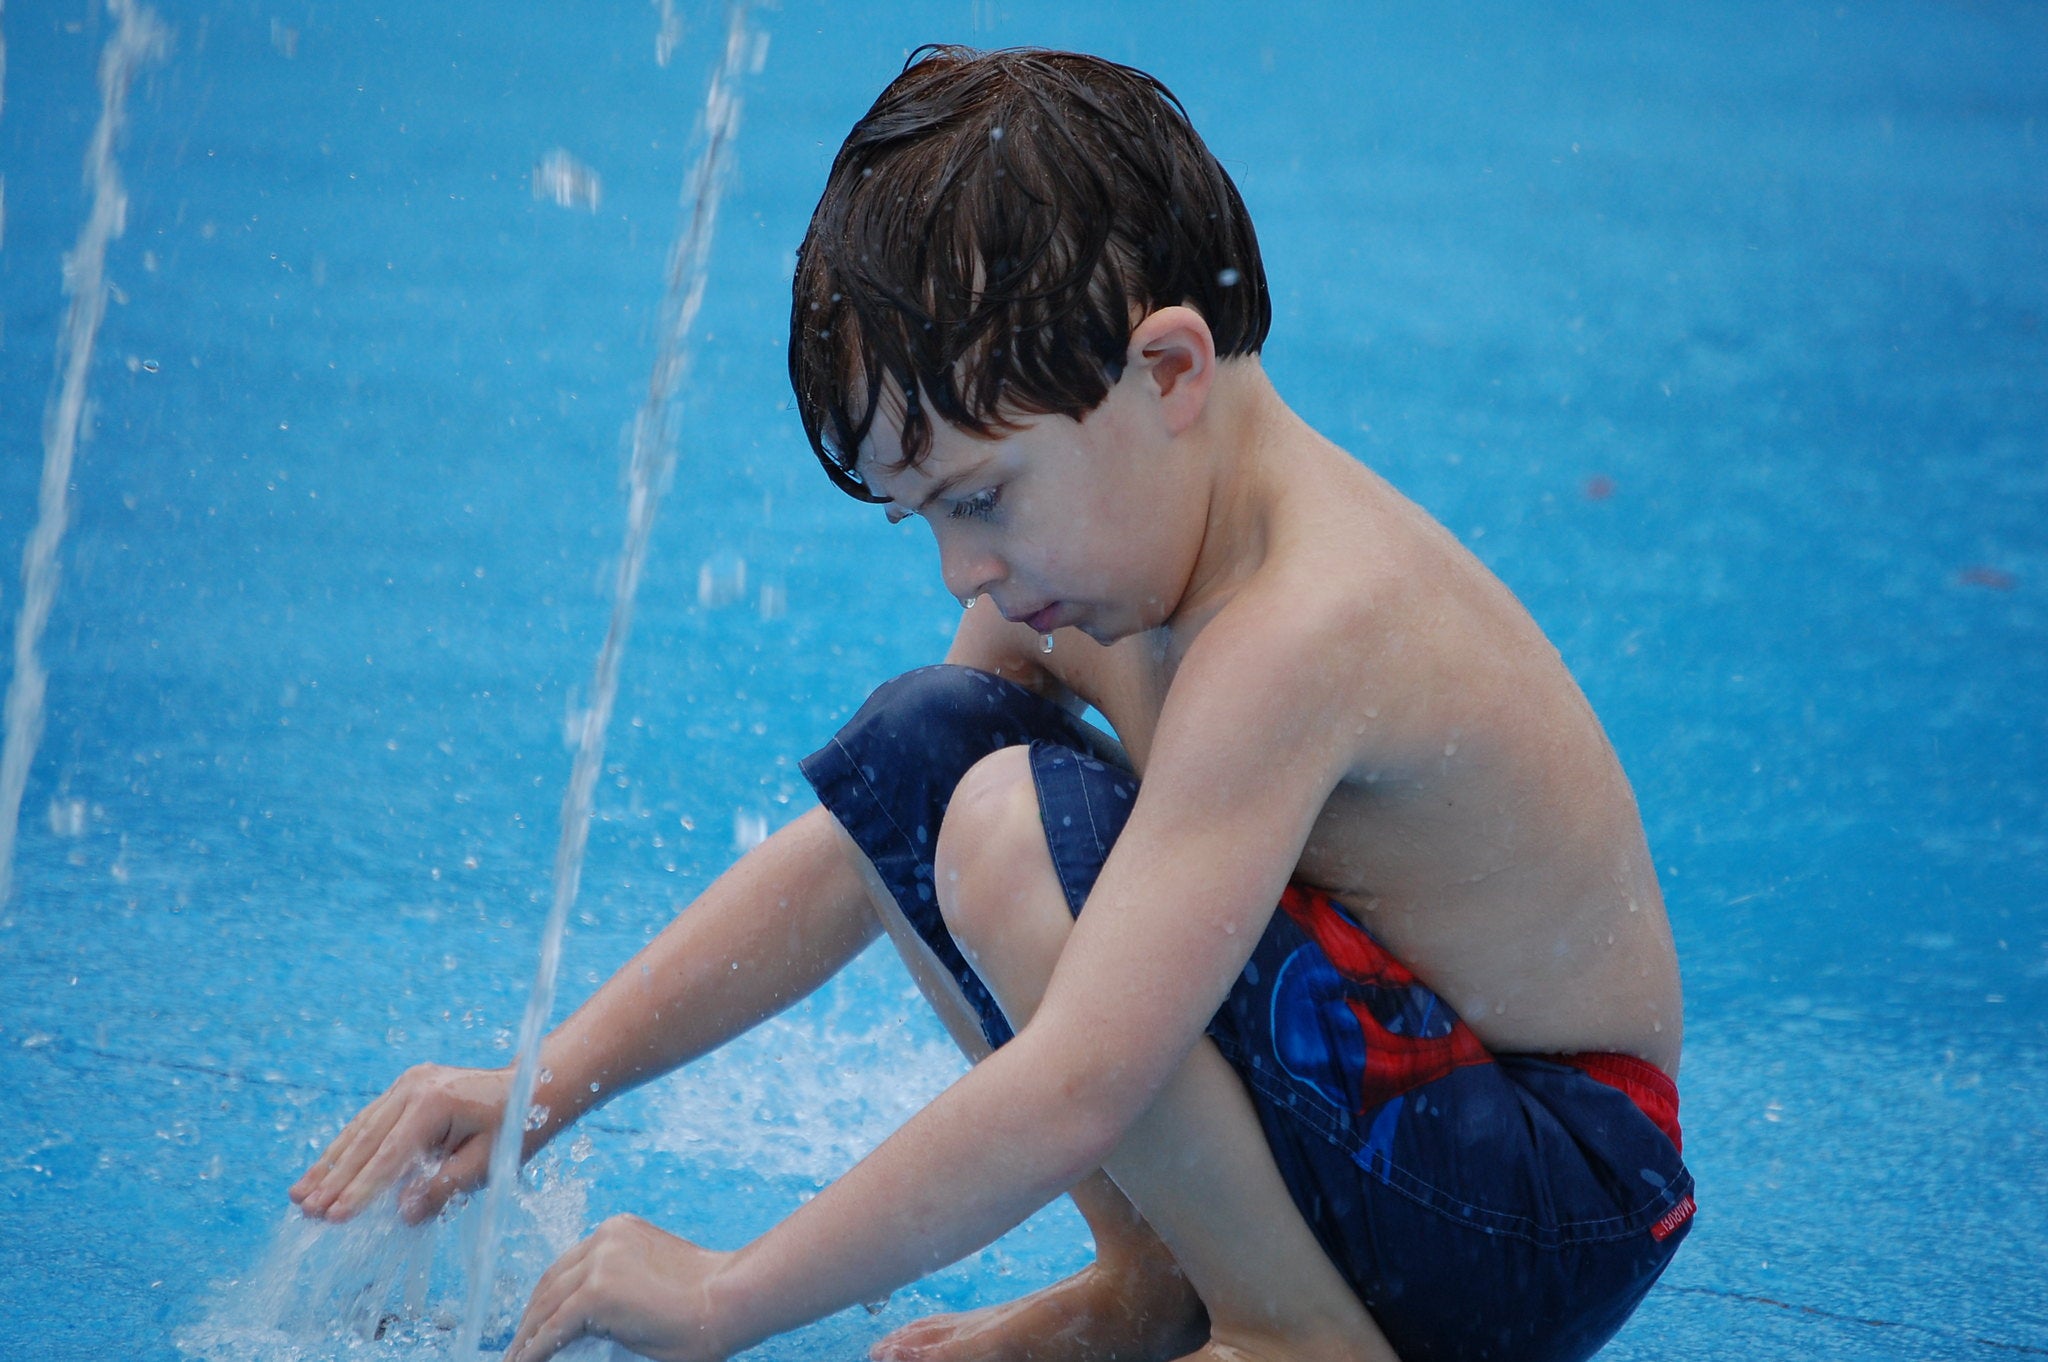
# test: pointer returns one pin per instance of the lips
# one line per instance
(1042, 621)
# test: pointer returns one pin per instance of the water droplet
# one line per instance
(1450, 749)
(1228, 277)
(721, 580)
(749, 829)
(1045, 643)
(150, 366)
(67, 817)
(566, 180)
(967, 602)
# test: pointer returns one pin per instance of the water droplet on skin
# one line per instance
(967, 602)
(1045, 643)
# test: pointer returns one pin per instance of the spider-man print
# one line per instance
(1353, 1022)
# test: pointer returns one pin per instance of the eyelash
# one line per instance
(980, 506)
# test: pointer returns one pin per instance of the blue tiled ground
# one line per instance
(1769, 279)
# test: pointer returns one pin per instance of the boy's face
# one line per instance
(1092, 524)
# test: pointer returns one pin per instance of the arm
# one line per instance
(784, 919)
(1251, 741)
(780, 922)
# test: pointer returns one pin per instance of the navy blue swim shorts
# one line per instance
(1515, 1207)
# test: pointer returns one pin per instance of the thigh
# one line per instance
(889, 775)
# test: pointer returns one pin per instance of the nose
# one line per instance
(969, 570)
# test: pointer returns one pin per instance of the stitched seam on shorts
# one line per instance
(874, 797)
(1319, 1118)
(1045, 824)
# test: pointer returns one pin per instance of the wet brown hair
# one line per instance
(988, 235)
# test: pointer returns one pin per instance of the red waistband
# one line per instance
(1644, 1084)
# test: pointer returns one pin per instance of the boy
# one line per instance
(1029, 308)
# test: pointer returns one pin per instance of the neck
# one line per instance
(1239, 439)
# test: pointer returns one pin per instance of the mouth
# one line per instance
(1042, 621)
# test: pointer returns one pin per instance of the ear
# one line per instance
(1173, 353)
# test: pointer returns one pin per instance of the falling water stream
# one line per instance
(137, 38)
(653, 461)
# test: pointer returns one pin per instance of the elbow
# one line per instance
(1090, 1137)
(1089, 1112)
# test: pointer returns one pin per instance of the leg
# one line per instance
(1197, 1166)
(1132, 1303)
(890, 778)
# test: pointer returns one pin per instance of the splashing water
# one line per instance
(376, 1287)
(653, 461)
(137, 38)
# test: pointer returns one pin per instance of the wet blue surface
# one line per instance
(1719, 334)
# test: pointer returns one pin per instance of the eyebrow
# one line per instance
(944, 486)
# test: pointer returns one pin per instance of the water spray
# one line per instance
(648, 473)
(138, 38)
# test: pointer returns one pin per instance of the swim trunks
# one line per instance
(1481, 1205)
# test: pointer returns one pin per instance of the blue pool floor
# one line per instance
(1718, 332)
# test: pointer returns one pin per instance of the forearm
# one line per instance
(988, 1152)
(786, 917)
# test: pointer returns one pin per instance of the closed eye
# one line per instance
(980, 506)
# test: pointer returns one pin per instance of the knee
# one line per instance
(991, 849)
(939, 699)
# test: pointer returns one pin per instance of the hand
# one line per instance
(441, 1117)
(644, 1289)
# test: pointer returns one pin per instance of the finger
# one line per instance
(550, 1336)
(548, 1308)
(464, 1168)
(313, 1175)
(414, 1135)
(562, 1279)
(322, 1175)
